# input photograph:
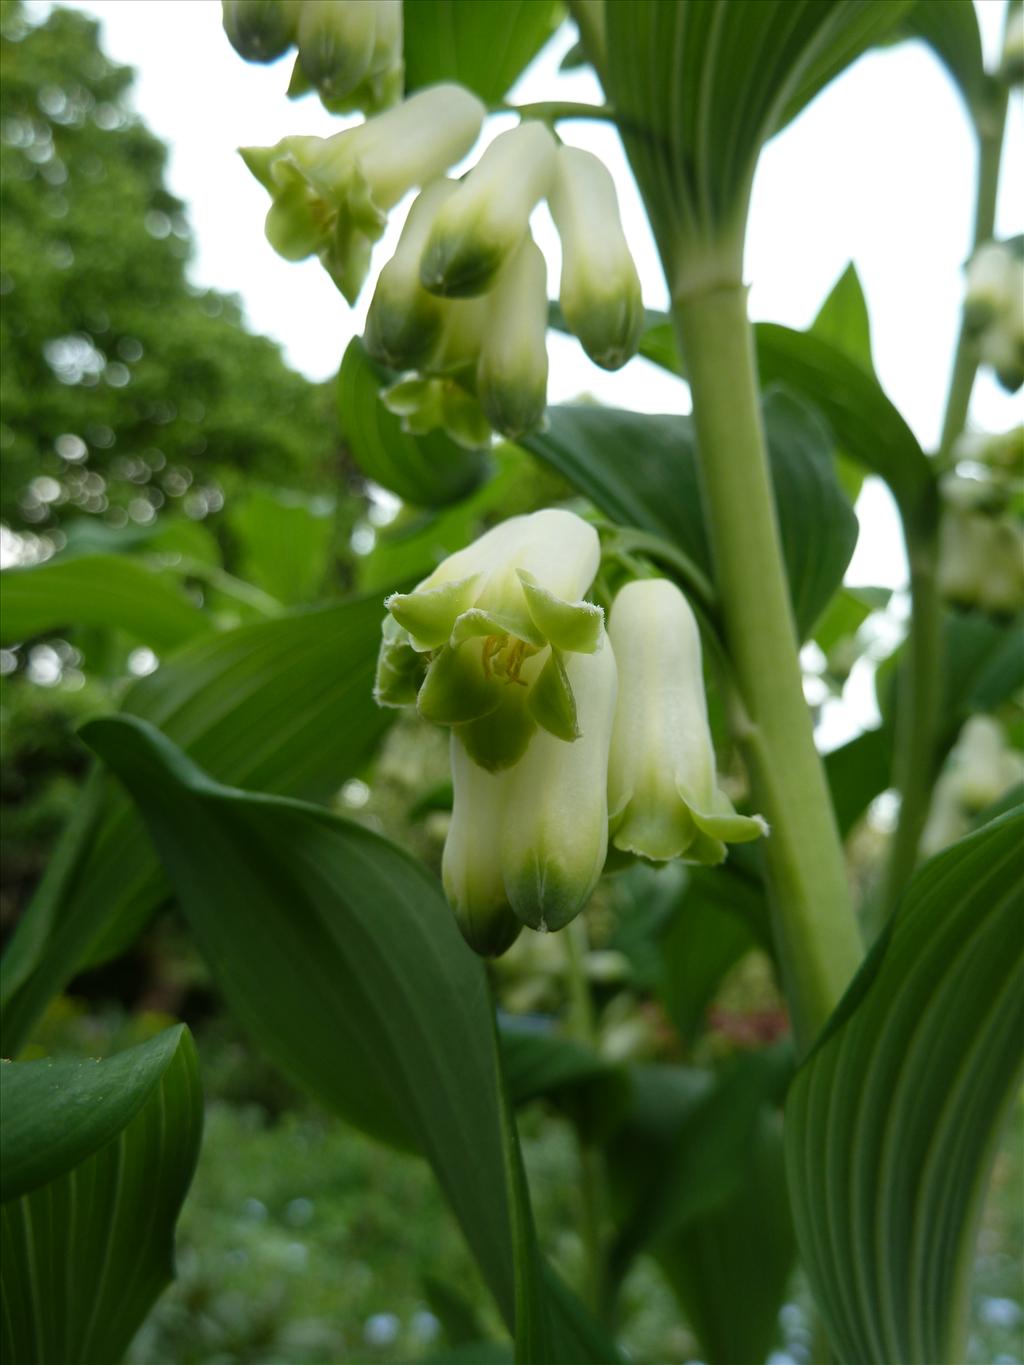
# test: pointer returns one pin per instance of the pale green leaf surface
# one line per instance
(484, 46)
(284, 541)
(892, 1121)
(641, 470)
(283, 705)
(98, 1157)
(98, 590)
(341, 958)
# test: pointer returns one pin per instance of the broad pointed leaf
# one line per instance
(483, 46)
(892, 1121)
(98, 590)
(341, 958)
(283, 705)
(97, 1158)
(641, 470)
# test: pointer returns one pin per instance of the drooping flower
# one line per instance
(494, 623)
(994, 308)
(480, 227)
(332, 195)
(350, 52)
(664, 800)
(512, 375)
(554, 836)
(600, 294)
(404, 322)
(527, 845)
(260, 30)
(470, 867)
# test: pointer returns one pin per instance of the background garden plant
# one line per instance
(852, 1131)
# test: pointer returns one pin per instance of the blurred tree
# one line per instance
(124, 389)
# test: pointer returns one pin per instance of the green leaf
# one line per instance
(284, 541)
(98, 590)
(739, 1253)
(846, 613)
(700, 87)
(428, 471)
(641, 470)
(283, 705)
(684, 1147)
(341, 958)
(722, 915)
(97, 1158)
(857, 772)
(843, 319)
(483, 46)
(891, 1123)
(950, 28)
(541, 1065)
(867, 426)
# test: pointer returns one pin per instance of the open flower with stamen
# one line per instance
(332, 195)
(494, 623)
(664, 800)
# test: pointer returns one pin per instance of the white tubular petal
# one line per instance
(600, 293)
(555, 823)
(512, 376)
(470, 868)
(480, 228)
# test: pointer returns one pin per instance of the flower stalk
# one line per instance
(815, 929)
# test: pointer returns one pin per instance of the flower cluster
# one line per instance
(994, 308)
(564, 736)
(981, 768)
(461, 309)
(349, 51)
(981, 540)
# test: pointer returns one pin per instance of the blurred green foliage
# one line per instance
(124, 388)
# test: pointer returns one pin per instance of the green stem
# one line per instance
(919, 700)
(815, 929)
(593, 1179)
(990, 129)
(553, 111)
(918, 710)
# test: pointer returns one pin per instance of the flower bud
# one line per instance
(333, 194)
(994, 308)
(600, 292)
(404, 321)
(554, 835)
(423, 405)
(480, 227)
(984, 764)
(512, 376)
(336, 41)
(663, 797)
(1011, 66)
(470, 867)
(496, 620)
(260, 30)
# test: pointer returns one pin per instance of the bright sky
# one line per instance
(879, 170)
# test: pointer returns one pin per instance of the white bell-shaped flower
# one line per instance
(494, 623)
(480, 227)
(600, 294)
(512, 375)
(332, 195)
(663, 795)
